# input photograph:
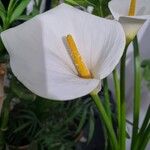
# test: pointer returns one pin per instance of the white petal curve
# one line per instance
(47, 72)
(89, 31)
(91, 34)
(131, 26)
(109, 49)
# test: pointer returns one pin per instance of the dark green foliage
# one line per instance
(16, 10)
(54, 3)
(11, 14)
(54, 125)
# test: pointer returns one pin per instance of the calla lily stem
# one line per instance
(105, 119)
(142, 139)
(122, 127)
(107, 98)
(137, 90)
(117, 93)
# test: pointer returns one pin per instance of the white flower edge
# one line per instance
(131, 24)
(42, 63)
(121, 8)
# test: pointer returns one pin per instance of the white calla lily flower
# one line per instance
(131, 14)
(41, 60)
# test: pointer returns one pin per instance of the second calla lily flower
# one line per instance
(49, 52)
(131, 14)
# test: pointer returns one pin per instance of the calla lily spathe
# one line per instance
(120, 10)
(40, 59)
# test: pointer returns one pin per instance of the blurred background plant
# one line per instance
(146, 71)
(98, 7)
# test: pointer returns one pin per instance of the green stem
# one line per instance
(101, 11)
(117, 93)
(146, 120)
(105, 119)
(122, 127)
(137, 90)
(143, 131)
(107, 98)
(39, 4)
(145, 140)
(142, 139)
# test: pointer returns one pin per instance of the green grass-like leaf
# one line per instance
(19, 10)
(2, 12)
(100, 6)
(91, 126)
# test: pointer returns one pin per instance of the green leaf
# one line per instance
(2, 6)
(146, 73)
(19, 10)
(20, 91)
(82, 121)
(22, 127)
(2, 12)
(91, 126)
(146, 120)
(11, 5)
(72, 2)
(83, 3)
(100, 6)
(54, 3)
(73, 115)
(5, 112)
(24, 17)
